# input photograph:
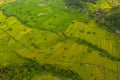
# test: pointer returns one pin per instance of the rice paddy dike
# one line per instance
(59, 40)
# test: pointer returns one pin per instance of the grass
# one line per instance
(52, 19)
(45, 77)
(58, 43)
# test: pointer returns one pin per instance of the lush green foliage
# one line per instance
(113, 19)
(60, 39)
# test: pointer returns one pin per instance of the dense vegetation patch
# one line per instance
(92, 1)
(113, 18)
(73, 3)
(31, 68)
(78, 4)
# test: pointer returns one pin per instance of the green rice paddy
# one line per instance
(59, 40)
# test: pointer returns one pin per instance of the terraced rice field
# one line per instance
(56, 40)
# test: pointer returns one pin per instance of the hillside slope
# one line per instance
(49, 40)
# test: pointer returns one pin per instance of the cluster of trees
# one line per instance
(19, 72)
(73, 3)
(108, 17)
(30, 68)
(78, 3)
(92, 1)
(113, 19)
(65, 73)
